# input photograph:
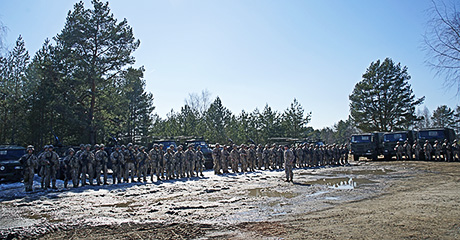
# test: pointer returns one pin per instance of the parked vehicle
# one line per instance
(433, 134)
(391, 139)
(367, 145)
(10, 167)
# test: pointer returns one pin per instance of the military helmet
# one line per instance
(51, 146)
(445, 140)
(123, 146)
(30, 147)
(117, 146)
(71, 150)
(45, 147)
(82, 145)
(88, 145)
(102, 145)
(234, 146)
(199, 147)
(155, 145)
(436, 141)
(171, 146)
(266, 145)
(190, 145)
(130, 144)
(96, 145)
(136, 146)
(142, 148)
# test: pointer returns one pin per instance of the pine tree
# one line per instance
(94, 48)
(383, 100)
(443, 116)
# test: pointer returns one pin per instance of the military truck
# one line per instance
(367, 145)
(10, 167)
(392, 138)
(433, 134)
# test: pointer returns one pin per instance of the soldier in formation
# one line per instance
(29, 162)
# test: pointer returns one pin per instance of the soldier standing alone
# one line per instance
(288, 163)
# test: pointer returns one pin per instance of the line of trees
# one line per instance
(80, 86)
(217, 123)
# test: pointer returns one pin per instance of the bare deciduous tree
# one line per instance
(442, 42)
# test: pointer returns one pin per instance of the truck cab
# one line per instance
(367, 145)
(392, 138)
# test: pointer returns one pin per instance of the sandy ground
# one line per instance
(365, 200)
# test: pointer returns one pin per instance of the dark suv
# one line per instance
(10, 168)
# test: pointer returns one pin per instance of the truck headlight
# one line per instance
(18, 167)
(2, 168)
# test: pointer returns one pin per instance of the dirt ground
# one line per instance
(365, 200)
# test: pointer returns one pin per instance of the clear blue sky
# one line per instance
(257, 52)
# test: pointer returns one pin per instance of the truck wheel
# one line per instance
(387, 157)
(356, 157)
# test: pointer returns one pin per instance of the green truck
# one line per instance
(392, 138)
(367, 145)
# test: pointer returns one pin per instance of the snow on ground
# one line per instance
(212, 199)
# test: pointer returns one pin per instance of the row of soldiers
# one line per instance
(88, 165)
(246, 158)
(445, 151)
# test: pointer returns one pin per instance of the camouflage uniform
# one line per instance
(200, 161)
(407, 150)
(154, 161)
(189, 161)
(178, 161)
(244, 158)
(130, 159)
(117, 159)
(87, 162)
(455, 151)
(437, 150)
(53, 159)
(225, 159)
(235, 158)
(143, 163)
(266, 154)
(216, 157)
(42, 165)
(447, 151)
(417, 149)
(260, 160)
(161, 166)
(252, 158)
(77, 155)
(399, 151)
(167, 163)
(279, 157)
(298, 155)
(101, 158)
(428, 150)
(71, 166)
(29, 162)
(288, 164)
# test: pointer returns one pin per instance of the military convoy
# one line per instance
(373, 145)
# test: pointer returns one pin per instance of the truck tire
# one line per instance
(356, 157)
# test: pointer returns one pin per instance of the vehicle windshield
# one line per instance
(11, 154)
(394, 137)
(431, 134)
(361, 139)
